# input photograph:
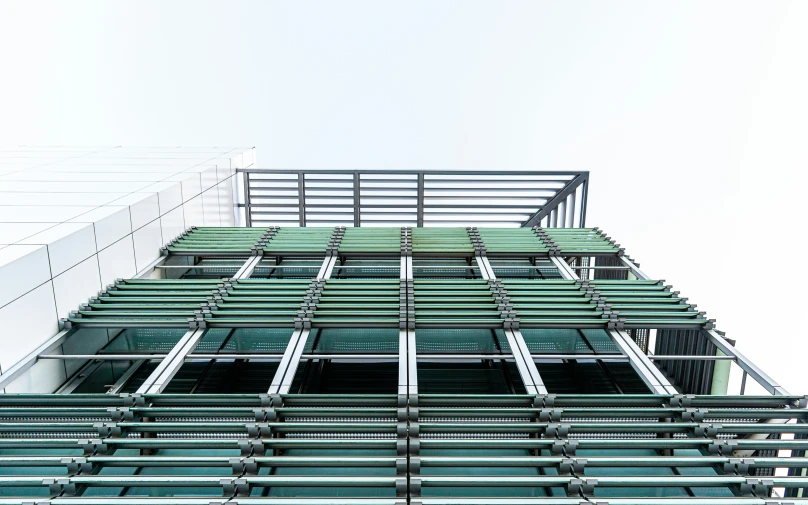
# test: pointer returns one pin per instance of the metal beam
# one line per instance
(170, 365)
(521, 350)
(561, 196)
(746, 365)
(634, 269)
(248, 268)
(563, 268)
(649, 373)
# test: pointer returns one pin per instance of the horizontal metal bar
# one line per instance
(429, 173)
(672, 357)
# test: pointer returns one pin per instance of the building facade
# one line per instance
(389, 338)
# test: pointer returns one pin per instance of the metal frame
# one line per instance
(564, 195)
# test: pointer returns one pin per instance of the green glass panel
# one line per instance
(147, 340)
(561, 341)
(352, 340)
(452, 340)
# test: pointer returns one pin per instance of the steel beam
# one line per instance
(290, 361)
(634, 269)
(170, 365)
(563, 268)
(552, 205)
(746, 365)
(649, 373)
(248, 268)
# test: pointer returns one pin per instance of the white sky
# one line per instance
(691, 116)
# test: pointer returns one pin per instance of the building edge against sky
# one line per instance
(74, 219)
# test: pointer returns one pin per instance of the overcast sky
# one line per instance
(691, 116)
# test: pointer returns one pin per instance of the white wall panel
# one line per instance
(148, 241)
(111, 222)
(39, 213)
(25, 323)
(192, 210)
(210, 207)
(46, 376)
(68, 244)
(76, 286)
(191, 186)
(169, 195)
(209, 177)
(172, 224)
(87, 218)
(226, 211)
(22, 268)
(11, 233)
(144, 211)
(117, 261)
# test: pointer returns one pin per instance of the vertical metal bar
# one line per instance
(584, 196)
(403, 363)
(571, 221)
(301, 195)
(420, 201)
(247, 204)
(743, 382)
(554, 218)
(562, 213)
(357, 218)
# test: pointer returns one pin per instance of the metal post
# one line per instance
(301, 197)
(571, 219)
(357, 219)
(247, 199)
(584, 194)
(420, 201)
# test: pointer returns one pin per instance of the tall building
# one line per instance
(383, 337)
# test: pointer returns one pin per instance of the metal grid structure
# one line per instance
(414, 198)
(440, 366)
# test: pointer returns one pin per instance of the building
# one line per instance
(389, 338)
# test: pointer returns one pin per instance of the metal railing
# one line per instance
(413, 198)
